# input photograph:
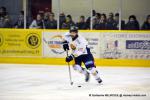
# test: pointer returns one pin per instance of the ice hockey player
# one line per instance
(80, 53)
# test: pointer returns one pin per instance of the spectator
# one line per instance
(49, 21)
(20, 21)
(110, 22)
(62, 19)
(46, 20)
(101, 24)
(3, 12)
(38, 23)
(88, 21)
(132, 24)
(96, 19)
(69, 22)
(117, 22)
(53, 22)
(93, 14)
(5, 21)
(146, 24)
(81, 24)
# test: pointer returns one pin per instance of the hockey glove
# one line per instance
(69, 58)
(65, 45)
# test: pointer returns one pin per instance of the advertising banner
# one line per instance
(125, 45)
(20, 43)
(53, 46)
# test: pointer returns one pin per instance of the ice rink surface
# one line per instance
(51, 82)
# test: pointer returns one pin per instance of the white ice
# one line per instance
(51, 82)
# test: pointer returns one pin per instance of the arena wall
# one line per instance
(110, 48)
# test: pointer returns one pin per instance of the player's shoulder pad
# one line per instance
(67, 34)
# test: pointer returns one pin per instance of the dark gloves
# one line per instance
(69, 58)
(65, 45)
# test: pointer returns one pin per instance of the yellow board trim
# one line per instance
(55, 30)
(61, 61)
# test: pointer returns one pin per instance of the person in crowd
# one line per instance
(146, 24)
(38, 23)
(132, 24)
(101, 24)
(81, 24)
(3, 12)
(53, 22)
(117, 22)
(20, 21)
(110, 22)
(49, 21)
(96, 19)
(88, 21)
(62, 19)
(46, 20)
(5, 21)
(69, 22)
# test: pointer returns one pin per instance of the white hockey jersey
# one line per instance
(80, 44)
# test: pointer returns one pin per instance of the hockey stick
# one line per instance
(71, 82)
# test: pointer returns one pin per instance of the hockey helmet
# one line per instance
(73, 29)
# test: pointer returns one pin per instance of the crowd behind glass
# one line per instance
(46, 20)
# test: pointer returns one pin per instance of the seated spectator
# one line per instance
(3, 12)
(117, 22)
(5, 21)
(81, 24)
(96, 19)
(146, 24)
(49, 21)
(37, 23)
(101, 24)
(46, 19)
(93, 14)
(62, 19)
(88, 21)
(132, 24)
(20, 21)
(110, 22)
(69, 22)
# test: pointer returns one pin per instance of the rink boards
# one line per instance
(110, 48)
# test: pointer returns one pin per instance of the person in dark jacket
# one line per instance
(69, 22)
(46, 20)
(110, 22)
(81, 24)
(146, 24)
(117, 22)
(101, 24)
(5, 21)
(96, 19)
(62, 19)
(88, 21)
(49, 21)
(132, 24)
(20, 21)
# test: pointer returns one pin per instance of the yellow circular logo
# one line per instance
(1, 39)
(33, 40)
